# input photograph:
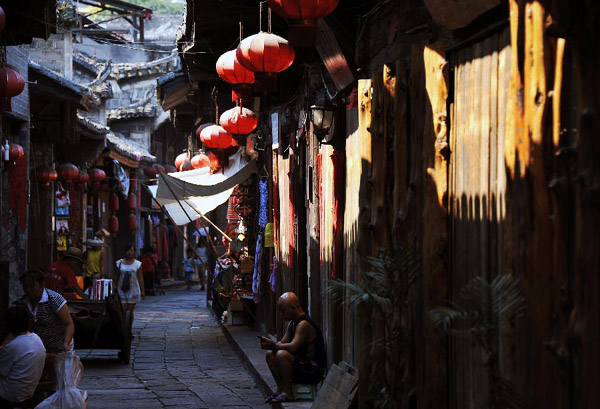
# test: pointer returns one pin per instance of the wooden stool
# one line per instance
(304, 391)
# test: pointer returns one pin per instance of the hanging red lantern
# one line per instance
(230, 70)
(239, 121)
(132, 201)
(113, 224)
(45, 175)
(83, 177)
(215, 137)
(160, 168)
(132, 222)
(113, 204)
(201, 127)
(181, 159)
(187, 165)
(267, 54)
(200, 161)
(303, 15)
(170, 169)
(67, 172)
(15, 152)
(96, 175)
(11, 83)
(150, 172)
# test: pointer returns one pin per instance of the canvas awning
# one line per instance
(187, 195)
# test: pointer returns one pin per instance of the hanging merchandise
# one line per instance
(62, 197)
(258, 269)
(269, 235)
(121, 178)
(303, 16)
(239, 121)
(263, 191)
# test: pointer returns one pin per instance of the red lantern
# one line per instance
(187, 165)
(201, 127)
(132, 222)
(11, 83)
(215, 137)
(159, 168)
(239, 121)
(45, 175)
(83, 176)
(113, 224)
(132, 201)
(150, 172)
(67, 172)
(113, 204)
(2, 19)
(230, 70)
(200, 161)
(181, 159)
(304, 15)
(170, 169)
(96, 175)
(16, 152)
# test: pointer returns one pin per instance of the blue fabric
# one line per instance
(258, 269)
(263, 188)
(272, 279)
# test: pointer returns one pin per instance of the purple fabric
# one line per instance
(263, 188)
(258, 269)
(272, 279)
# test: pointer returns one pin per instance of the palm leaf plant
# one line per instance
(480, 313)
(384, 290)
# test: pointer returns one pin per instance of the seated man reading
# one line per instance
(299, 357)
(22, 357)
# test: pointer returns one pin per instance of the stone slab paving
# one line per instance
(180, 359)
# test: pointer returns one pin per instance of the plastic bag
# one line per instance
(69, 372)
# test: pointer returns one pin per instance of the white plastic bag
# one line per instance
(69, 372)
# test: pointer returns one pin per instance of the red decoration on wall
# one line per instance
(216, 137)
(170, 169)
(132, 201)
(11, 82)
(187, 165)
(113, 203)
(200, 161)
(113, 224)
(239, 121)
(132, 222)
(45, 175)
(304, 15)
(181, 159)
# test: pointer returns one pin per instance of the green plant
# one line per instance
(482, 310)
(383, 291)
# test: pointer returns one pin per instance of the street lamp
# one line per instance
(321, 116)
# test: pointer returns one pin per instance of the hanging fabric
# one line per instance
(273, 279)
(258, 269)
(263, 190)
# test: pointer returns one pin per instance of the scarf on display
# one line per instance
(263, 203)
(258, 269)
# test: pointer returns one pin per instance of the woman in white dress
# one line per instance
(130, 280)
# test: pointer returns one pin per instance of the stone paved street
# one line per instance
(180, 359)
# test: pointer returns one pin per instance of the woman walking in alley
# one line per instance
(130, 281)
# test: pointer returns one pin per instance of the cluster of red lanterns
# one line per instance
(69, 174)
(303, 16)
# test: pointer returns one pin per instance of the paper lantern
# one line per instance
(132, 201)
(113, 224)
(11, 82)
(201, 127)
(265, 52)
(160, 168)
(83, 176)
(2, 19)
(15, 152)
(200, 161)
(113, 203)
(150, 172)
(67, 172)
(239, 121)
(96, 175)
(170, 169)
(229, 69)
(181, 159)
(215, 137)
(45, 175)
(132, 222)
(303, 15)
(187, 165)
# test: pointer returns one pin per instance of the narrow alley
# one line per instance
(180, 358)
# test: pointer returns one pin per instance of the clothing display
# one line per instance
(21, 365)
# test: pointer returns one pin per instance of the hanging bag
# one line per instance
(126, 283)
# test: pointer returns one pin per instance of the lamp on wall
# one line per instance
(321, 116)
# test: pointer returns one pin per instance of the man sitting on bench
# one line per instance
(299, 357)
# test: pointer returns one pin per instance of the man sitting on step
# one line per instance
(299, 357)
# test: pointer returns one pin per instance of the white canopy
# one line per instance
(178, 192)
